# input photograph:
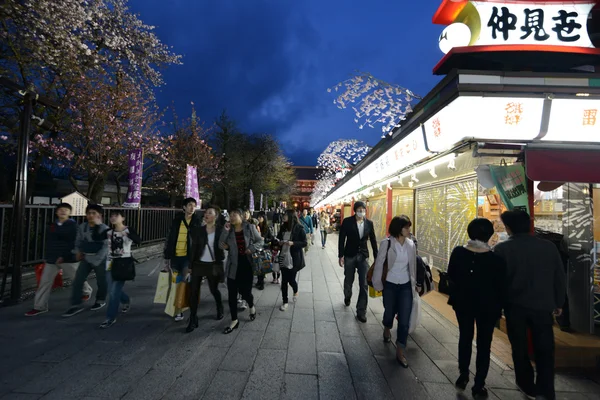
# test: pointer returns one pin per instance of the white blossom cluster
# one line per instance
(375, 102)
(83, 34)
(336, 161)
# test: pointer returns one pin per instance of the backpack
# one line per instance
(424, 276)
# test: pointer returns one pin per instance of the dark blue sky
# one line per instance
(269, 63)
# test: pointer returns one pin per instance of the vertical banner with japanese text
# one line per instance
(511, 184)
(261, 202)
(251, 201)
(191, 184)
(135, 164)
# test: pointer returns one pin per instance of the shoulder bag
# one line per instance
(385, 267)
(122, 268)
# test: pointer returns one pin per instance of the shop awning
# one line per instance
(563, 163)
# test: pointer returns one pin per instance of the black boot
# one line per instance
(193, 324)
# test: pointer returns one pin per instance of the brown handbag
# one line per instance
(385, 267)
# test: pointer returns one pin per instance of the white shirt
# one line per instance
(399, 274)
(361, 228)
(206, 254)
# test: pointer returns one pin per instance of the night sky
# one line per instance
(269, 63)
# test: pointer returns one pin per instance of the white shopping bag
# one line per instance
(415, 314)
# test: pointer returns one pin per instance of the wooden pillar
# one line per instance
(390, 210)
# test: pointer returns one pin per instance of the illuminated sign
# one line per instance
(494, 22)
(491, 118)
(574, 120)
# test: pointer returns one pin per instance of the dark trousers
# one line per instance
(518, 320)
(81, 276)
(288, 276)
(398, 300)
(485, 333)
(198, 271)
(352, 265)
(242, 284)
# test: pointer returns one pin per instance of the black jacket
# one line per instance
(350, 244)
(535, 273)
(298, 236)
(197, 242)
(60, 242)
(171, 243)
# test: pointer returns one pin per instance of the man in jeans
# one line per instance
(177, 248)
(354, 254)
(92, 254)
(536, 292)
(59, 254)
(307, 224)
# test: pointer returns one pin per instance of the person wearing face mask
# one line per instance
(353, 256)
(207, 260)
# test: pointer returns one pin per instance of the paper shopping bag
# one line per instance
(374, 293)
(415, 314)
(182, 295)
(162, 288)
(171, 306)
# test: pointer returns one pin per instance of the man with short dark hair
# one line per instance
(59, 254)
(92, 254)
(535, 294)
(353, 256)
(177, 247)
(307, 224)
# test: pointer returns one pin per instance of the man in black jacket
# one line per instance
(177, 247)
(353, 254)
(536, 292)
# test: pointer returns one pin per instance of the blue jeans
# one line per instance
(323, 237)
(398, 299)
(180, 264)
(116, 292)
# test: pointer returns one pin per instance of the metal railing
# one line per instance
(152, 224)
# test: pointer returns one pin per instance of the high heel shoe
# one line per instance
(193, 324)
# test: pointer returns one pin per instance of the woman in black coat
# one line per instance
(207, 260)
(292, 241)
(477, 286)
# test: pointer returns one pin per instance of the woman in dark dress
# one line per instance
(477, 286)
(241, 239)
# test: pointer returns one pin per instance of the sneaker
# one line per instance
(179, 317)
(97, 306)
(72, 311)
(108, 323)
(243, 306)
(125, 308)
(284, 307)
(295, 298)
(35, 312)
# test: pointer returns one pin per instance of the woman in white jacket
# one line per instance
(398, 284)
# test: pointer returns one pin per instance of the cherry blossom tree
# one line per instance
(336, 161)
(375, 102)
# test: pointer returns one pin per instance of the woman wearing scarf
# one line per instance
(476, 277)
(241, 239)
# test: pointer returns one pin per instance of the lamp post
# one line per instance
(15, 239)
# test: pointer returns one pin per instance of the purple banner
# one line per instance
(191, 184)
(135, 164)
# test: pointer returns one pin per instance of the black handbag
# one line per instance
(123, 269)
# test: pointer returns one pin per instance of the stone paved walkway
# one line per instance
(315, 350)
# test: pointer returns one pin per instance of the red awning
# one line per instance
(563, 163)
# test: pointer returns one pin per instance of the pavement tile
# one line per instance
(304, 320)
(402, 382)
(328, 337)
(335, 381)
(152, 386)
(263, 316)
(277, 336)
(266, 379)
(82, 384)
(348, 324)
(302, 355)
(242, 353)
(227, 385)
(423, 367)
(305, 300)
(324, 311)
(300, 387)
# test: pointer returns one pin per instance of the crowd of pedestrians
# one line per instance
(522, 277)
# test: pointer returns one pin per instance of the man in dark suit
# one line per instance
(353, 254)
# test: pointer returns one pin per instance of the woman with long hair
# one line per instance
(207, 260)
(399, 284)
(292, 240)
(267, 233)
(241, 239)
(477, 283)
(324, 223)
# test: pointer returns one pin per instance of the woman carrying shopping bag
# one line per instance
(241, 239)
(395, 272)
(292, 240)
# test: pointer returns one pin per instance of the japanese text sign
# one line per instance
(511, 184)
(135, 165)
(574, 120)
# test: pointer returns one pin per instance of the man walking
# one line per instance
(92, 254)
(536, 287)
(177, 248)
(276, 222)
(315, 222)
(353, 254)
(307, 224)
(59, 254)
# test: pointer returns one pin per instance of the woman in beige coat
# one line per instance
(398, 284)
